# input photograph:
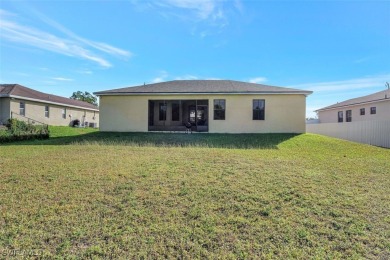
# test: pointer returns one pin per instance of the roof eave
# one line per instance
(50, 102)
(306, 93)
(353, 104)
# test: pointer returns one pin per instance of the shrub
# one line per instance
(20, 130)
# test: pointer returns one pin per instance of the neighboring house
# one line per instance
(20, 102)
(374, 107)
(215, 106)
(365, 120)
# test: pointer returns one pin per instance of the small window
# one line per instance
(219, 109)
(348, 115)
(175, 111)
(163, 111)
(258, 109)
(47, 111)
(362, 111)
(340, 116)
(64, 113)
(22, 108)
(373, 110)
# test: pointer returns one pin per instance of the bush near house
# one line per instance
(19, 130)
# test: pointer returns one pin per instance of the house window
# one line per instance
(340, 116)
(258, 109)
(22, 108)
(348, 115)
(64, 113)
(162, 111)
(362, 111)
(373, 110)
(175, 111)
(47, 111)
(219, 109)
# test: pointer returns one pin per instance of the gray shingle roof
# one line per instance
(378, 96)
(202, 87)
(7, 90)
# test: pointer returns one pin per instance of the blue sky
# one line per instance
(338, 49)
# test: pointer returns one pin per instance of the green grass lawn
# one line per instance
(85, 194)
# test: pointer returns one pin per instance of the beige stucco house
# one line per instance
(23, 103)
(374, 107)
(215, 106)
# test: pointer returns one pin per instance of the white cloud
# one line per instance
(351, 84)
(203, 34)
(88, 72)
(362, 60)
(62, 79)
(203, 8)
(109, 49)
(258, 80)
(50, 82)
(186, 77)
(5, 13)
(73, 45)
(213, 14)
(158, 79)
(162, 77)
(239, 6)
(97, 45)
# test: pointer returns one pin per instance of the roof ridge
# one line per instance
(12, 86)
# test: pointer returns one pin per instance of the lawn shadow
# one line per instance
(207, 140)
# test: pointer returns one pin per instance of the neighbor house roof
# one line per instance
(202, 87)
(378, 96)
(21, 92)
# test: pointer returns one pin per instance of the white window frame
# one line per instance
(47, 111)
(22, 108)
(64, 113)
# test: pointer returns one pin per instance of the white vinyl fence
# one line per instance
(367, 132)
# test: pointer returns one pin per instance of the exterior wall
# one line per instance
(283, 113)
(36, 111)
(4, 110)
(382, 113)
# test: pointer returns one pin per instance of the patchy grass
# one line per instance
(194, 196)
(88, 136)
